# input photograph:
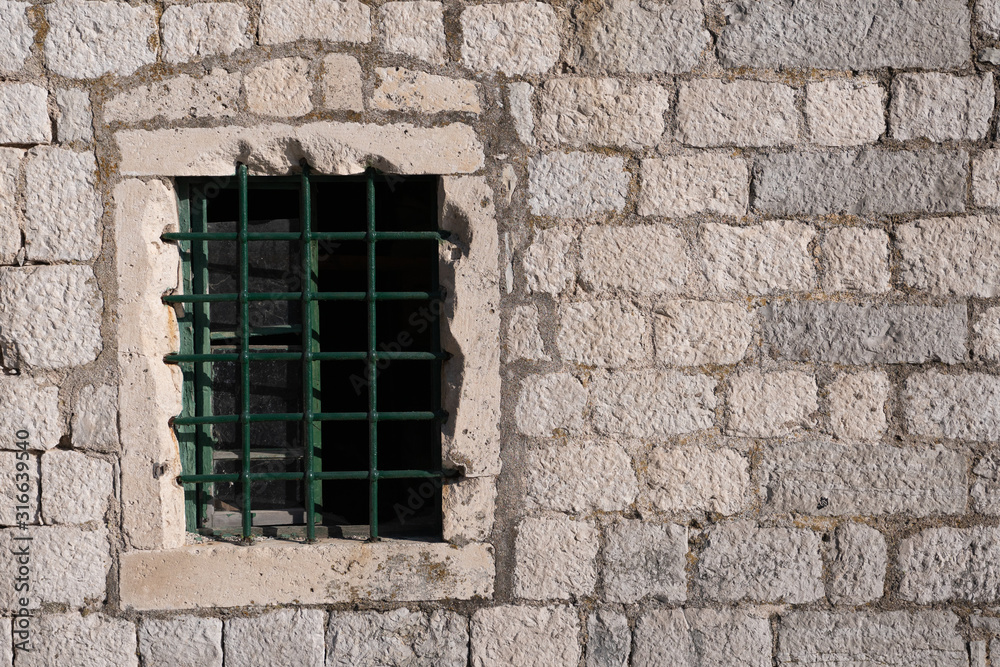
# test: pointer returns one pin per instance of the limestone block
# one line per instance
(203, 30)
(858, 567)
(63, 211)
(843, 333)
(693, 333)
(745, 562)
(646, 259)
(24, 106)
(652, 403)
(95, 419)
(951, 256)
(549, 402)
(986, 484)
(941, 107)
(857, 259)
(525, 636)
(181, 641)
(602, 112)
(870, 182)
(962, 407)
(467, 509)
(89, 39)
(21, 477)
(521, 111)
(69, 566)
(602, 333)
(213, 95)
(50, 316)
(547, 264)
(609, 639)
(328, 20)
(340, 82)
(629, 36)
(11, 215)
(857, 405)
(75, 487)
(986, 178)
(32, 405)
(555, 558)
(523, 339)
(284, 636)
(988, 18)
(16, 36)
(280, 88)
(758, 259)
(76, 121)
(645, 559)
(514, 38)
(767, 405)
(829, 479)
(414, 29)
(986, 329)
(825, 35)
(399, 637)
(93, 640)
(572, 185)
(711, 112)
(580, 477)
(701, 638)
(951, 564)
(842, 112)
(693, 478)
(677, 187)
(399, 89)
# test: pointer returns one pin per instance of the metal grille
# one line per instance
(201, 354)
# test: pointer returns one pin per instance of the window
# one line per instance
(311, 355)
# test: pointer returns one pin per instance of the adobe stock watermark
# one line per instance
(21, 547)
(417, 497)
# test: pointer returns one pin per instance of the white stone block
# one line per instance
(515, 37)
(603, 333)
(94, 640)
(16, 36)
(19, 472)
(279, 88)
(711, 112)
(522, 111)
(550, 402)
(555, 558)
(986, 178)
(645, 559)
(340, 82)
(758, 259)
(75, 487)
(857, 406)
(941, 107)
(765, 405)
(580, 477)
(76, 121)
(858, 567)
(399, 89)
(951, 256)
(548, 265)
(525, 636)
(414, 29)
(397, 637)
(214, 95)
(90, 39)
(702, 638)
(857, 259)
(181, 641)
(30, 404)
(24, 107)
(69, 566)
(11, 215)
(652, 403)
(523, 339)
(328, 20)
(203, 30)
(281, 637)
(677, 187)
(95, 418)
(693, 333)
(646, 259)
(693, 478)
(63, 211)
(843, 112)
(575, 185)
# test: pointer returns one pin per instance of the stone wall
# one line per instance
(747, 267)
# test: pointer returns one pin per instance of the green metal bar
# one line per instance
(244, 325)
(308, 343)
(372, 366)
(203, 372)
(187, 435)
(296, 356)
(296, 296)
(258, 331)
(299, 476)
(411, 416)
(316, 236)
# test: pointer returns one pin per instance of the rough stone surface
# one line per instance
(514, 38)
(628, 36)
(890, 639)
(468, 507)
(647, 259)
(609, 639)
(962, 407)
(21, 475)
(711, 112)
(182, 641)
(857, 570)
(945, 564)
(988, 18)
(213, 95)
(548, 266)
(758, 259)
(951, 256)
(95, 419)
(11, 215)
(284, 636)
(202, 30)
(693, 333)
(843, 333)
(399, 89)
(828, 35)
(75, 487)
(340, 82)
(766, 405)
(862, 479)
(414, 29)
(580, 477)
(93, 640)
(941, 107)
(62, 216)
(602, 333)
(49, 316)
(701, 638)
(76, 121)
(986, 329)
(23, 106)
(280, 88)
(521, 111)
(857, 405)
(524, 341)
(525, 636)
(693, 478)
(89, 39)
(677, 187)
(652, 403)
(844, 112)
(570, 185)
(32, 405)
(986, 484)
(645, 559)
(397, 638)
(69, 566)
(327, 20)
(16, 36)
(857, 259)
(869, 182)
(986, 178)
(602, 112)
(745, 562)
(555, 558)
(550, 402)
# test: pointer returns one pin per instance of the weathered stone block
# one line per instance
(515, 37)
(182, 641)
(643, 559)
(414, 29)
(988, 18)
(523, 339)
(549, 402)
(843, 333)
(525, 636)
(742, 561)
(340, 82)
(94, 640)
(986, 178)
(284, 636)
(951, 256)
(941, 107)
(580, 477)
(548, 266)
(63, 209)
(647, 259)
(280, 88)
(869, 182)
(95, 419)
(69, 566)
(711, 112)
(76, 121)
(759, 259)
(857, 259)
(692, 333)
(767, 405)
(399, 637)
(88, 39)
(399, 89)
(868, 480)
(555, 558)
(986, 330)
(857, 572)
(11, 215)
(204, 29)
(603, 333)
(962, 407)
(32, 405)
(986, 484)
(468, 506)
(652, 403)
(214, 95)
(75, 487)
(701, 638)
(845, 113)
(693, 478)
(21, 473)
(857, 405)
(571, 185)
(522, 111)
(677, 187)
(609, 639)
(951, 564)
(16, 36)
(327, 20)
(24, 106)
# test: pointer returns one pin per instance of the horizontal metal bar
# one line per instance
(259, 331)
(269, 454)
(330, 474)
(296, 356)
(297, 296)
(314, 236)
(414, 416)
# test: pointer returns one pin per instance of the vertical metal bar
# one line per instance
(308, 345)
(372, 367)
(202, 345)
(244, 331)
(187, 435)
(436, 371)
